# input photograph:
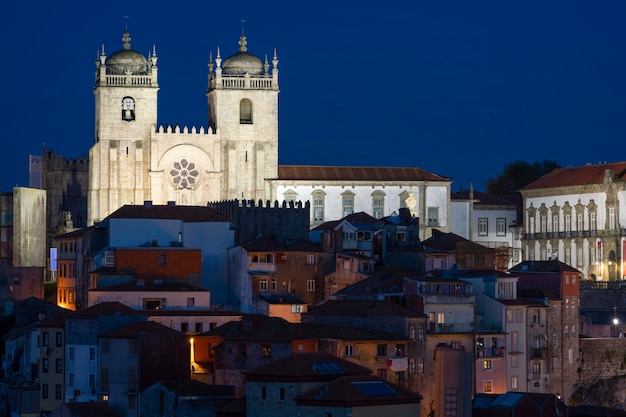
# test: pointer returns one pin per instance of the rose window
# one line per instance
(184, 174)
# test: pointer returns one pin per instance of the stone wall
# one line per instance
(280, 222)
(601, 372)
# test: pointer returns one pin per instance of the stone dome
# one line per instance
(126, 61)
(242, 62)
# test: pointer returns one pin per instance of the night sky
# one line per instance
(459, 88)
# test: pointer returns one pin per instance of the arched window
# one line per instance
(245, 111)
(128, 109)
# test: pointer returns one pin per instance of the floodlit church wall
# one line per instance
(185, 166)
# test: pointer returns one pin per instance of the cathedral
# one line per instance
(134, 159)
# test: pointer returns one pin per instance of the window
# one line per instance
(59, 339)
(153, 303)
(310, 259)
(263, 258)
(347, 203)
(487, 364)
(162, 259)
(198, 327)
(378, 204)
(184, 327)
(46, 339)
(514, 361)
(401, 376)
(263, 284)
(420, 332)
(44, 391)
(245, 111)
(514, 380)
(70, 379)
(310, 285)
(412, 365)
(400, 349)
(290, 197)
(501, 226)
(71, 353)
(420, 365)
(318, 207)
(611, 218)
(382, 350)
(191, 302)
(273, 284)
(266, 351)
(348, 350)
(59, 365)
(519, 315)
(92, 380)
(536, 367)
(241, 350)
(45, 365)
(367, 236)
(487, 385)
(509, 316)
(132, 402)
(128, 109)
(58, 392)
(263, 392)
(92, 354)
(281, 394)
(412, 332)
(296, 308)
(592, 222)
(433, 216)
(515, 341)
(483, 226)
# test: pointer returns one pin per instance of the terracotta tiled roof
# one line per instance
(584, 175)
(309, 365)
(108, 308)
(354, 173)
(187, 214)
(89, 409)
(141, 327)
(358, 391)
(195, 388)
(547, 267)
(362, 308)
(486, 199)
(132, 286)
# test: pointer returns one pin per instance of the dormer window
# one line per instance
(128, 109)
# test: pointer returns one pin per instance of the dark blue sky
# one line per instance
(459, 88)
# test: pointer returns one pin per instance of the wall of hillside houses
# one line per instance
(601, 372)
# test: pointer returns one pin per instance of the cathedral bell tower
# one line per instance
(125, 115)
(243, 110)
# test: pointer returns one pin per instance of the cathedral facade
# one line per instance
(134, 159)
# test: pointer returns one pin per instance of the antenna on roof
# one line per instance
(243, 22)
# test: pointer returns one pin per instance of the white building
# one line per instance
(134, 159)
(489, 220)
(578, 216)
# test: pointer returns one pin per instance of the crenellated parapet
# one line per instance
(282, 221)
(57, 162)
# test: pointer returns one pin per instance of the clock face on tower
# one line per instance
(128, 109)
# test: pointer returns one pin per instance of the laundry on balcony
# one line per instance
(398, 364)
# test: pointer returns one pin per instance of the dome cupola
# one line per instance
(126, 61)
(242, 62)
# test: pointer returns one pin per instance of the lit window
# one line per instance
(348, 350)
(487, 386)
(486, 364)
